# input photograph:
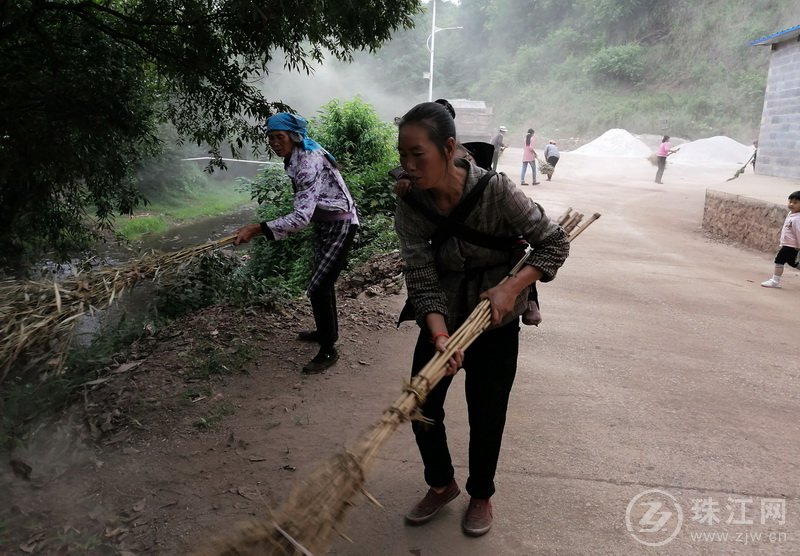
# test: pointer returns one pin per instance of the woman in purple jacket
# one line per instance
(321, 197)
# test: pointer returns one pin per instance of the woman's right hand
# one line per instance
(402, 187)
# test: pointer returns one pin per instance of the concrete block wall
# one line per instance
(779, 138)
(744, 220)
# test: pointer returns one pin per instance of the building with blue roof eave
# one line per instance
(779, 136)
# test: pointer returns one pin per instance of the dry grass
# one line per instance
(37, 318)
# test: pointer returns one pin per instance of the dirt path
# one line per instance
(661, 364)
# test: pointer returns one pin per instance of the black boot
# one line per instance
(308, 336)
(326, 358)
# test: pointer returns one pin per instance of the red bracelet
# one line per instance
(445, 334)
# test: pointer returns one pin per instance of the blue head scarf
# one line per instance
(283, 121)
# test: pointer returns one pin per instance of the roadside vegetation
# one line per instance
(272, 273)
(575, 68)
(202, 197)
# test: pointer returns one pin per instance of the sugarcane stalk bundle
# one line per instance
(305, 523)
(37, 318)
(571, 222)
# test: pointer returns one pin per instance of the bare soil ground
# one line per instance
(661, 364)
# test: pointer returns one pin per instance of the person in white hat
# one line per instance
(499, 145)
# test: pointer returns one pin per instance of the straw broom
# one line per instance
(741, 170)
(37, 318)
(305, 523)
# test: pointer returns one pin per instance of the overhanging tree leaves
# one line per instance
(83, 84)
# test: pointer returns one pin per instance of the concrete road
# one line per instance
(661, 364)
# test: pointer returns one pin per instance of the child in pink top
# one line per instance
(790, 242)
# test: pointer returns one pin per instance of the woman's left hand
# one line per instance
(455, 362)
(502, 300)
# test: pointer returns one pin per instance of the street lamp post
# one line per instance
(432, 41)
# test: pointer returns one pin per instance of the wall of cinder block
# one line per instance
(750, 222)
(779, 138)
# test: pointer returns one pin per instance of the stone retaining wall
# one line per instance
(750, 222)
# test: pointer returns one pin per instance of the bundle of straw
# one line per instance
(545, 167)
(305, 523)
(37, 318)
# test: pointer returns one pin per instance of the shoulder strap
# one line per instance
(453, 225)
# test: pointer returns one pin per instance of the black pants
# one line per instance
(323, 298)
(490, 364)
(662, 164)
(786, 255)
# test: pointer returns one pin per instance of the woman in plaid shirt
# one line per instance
(445, 285)
(322, 197)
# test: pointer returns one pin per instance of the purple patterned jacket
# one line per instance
(320, 194)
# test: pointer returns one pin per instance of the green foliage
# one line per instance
(203, 283)
(287, 261)
(567, 67)
(623, 63)
(192, 195)
(132, 228)
(83, 85)
(365, 148)
(354, 133)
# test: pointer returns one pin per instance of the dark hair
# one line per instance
(444, 102)
(528, 137)
(665, 139)
(436, 120)
(794, 196)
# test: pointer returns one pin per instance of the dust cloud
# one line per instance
(334, 80)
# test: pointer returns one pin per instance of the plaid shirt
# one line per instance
(451, 280)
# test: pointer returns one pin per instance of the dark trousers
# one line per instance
(662, 164)
(495, 158)
(323, 298)
(490, 364)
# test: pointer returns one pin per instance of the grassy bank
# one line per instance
(191, 203)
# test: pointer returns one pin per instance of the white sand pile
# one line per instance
(616, 142)
(713, 151)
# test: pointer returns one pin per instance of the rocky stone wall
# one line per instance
(750, 222)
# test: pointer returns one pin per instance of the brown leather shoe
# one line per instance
(429, 506)
(478, 517)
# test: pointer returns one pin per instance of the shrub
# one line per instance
(620, 63)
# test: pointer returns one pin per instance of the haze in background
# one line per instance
(336, 80)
